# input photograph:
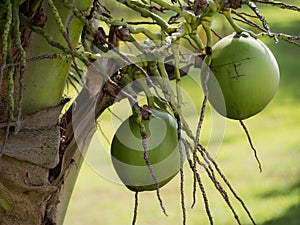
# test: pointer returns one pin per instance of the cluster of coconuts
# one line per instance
(244, 78)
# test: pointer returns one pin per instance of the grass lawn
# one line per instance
(273, 196)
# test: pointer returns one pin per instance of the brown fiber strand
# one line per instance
(151, 170)
(197, 179)
(135, 211)
(181, 170)
(209, 170)
(208, 157)
(251, 144)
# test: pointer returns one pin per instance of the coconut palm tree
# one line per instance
(47, 45)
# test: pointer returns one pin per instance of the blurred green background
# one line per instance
(272, 196)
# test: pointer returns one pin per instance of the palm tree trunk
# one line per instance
(37, 168)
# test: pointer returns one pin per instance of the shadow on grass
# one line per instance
(291, 216)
